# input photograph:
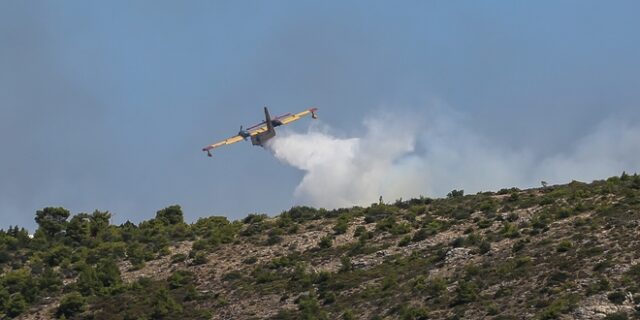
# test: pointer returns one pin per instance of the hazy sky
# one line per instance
(106, 105)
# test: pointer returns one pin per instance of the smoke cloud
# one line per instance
(402, 156)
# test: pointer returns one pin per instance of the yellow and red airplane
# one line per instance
(262, 132)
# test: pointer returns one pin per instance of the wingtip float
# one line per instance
(263, 131)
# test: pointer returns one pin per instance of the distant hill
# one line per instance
(558, 252)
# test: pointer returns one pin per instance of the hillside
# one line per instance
(558, 252)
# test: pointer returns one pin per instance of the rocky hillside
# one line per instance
(557, 252)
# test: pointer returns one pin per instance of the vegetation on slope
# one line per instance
(553, 252)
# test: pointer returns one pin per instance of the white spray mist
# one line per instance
(403, 157)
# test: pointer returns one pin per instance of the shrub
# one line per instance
(510, 230)
(303, 213)
(170, 215)
(484, 223)
(254, 218)
(461, 215)
(329, 298)
(616, 316)
(634, 272)
(560, 306)
(341, 226)
(164, 305)
(617, 297)
(518, 246)
(558, 277)
(359, 231)
(404, 241)
(386, 224)
(310, 308)
(436, 286)
(348, 315)
(455, 194)
(413, 313)
(484, 246)
(457, 242)
(564, 246)
(178, 257)
(180, 278)
(488, 205)
(199, 258)
(274, 238)
(71, 304)
(401, 228)
(421, 234)
(345, 264)
(250, 260)
(325, 242)
(599, 286)
(466, 292)
(88, 282)
(17, 305)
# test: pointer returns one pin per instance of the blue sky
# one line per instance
(106, 105)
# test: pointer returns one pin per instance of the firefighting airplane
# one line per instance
(263, 131)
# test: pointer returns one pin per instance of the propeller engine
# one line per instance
(244, 133)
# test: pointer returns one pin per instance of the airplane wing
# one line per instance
(231, 140)
(298, 116)
(285, 119)
(280, 117)
(259, 130)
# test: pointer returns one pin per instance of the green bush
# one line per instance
(256, 218)
(455, 194)
(250, 260)
(518, 246)
(199, 258)
(404, 241)
(310, 308)
(273, 238)
(484, 247)
(16, 305)
(170, 215)
(178, 257)
(558, 307)
(436, 286)
(412, 312)
(359, 231)
(164, 305)
(510, 230)
(342, 225)
(564, 246)
(180, 278)
(617, 297)
(71, 304)
(616, 316)
(325, 242)
(466, 292)
(421, 234)
(484, 223)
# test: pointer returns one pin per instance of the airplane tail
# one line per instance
(268, 120)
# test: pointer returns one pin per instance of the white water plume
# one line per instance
(402, 157)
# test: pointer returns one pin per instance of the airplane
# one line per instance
(263, 131)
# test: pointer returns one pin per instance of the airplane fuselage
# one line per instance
(261, 138)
